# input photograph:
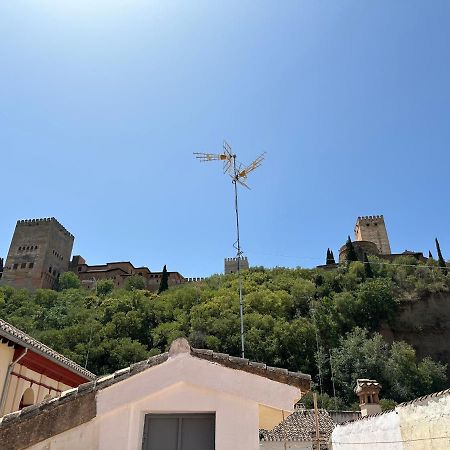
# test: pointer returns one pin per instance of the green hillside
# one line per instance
(294, 318)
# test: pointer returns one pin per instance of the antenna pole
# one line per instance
(239, 253)
(238, 174)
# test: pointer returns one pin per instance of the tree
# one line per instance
(350, 255)
(164, 285)
(367, 268)
(134, 282)
(330, 257)
(430, 255)
(69, 280)
(441, 260)
(105, 287)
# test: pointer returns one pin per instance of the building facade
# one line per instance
(40, 251)
(31, 372)
(119, 272)
(420, 424)
(186, 399)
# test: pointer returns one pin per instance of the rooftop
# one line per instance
(300, 426)
(16, 336)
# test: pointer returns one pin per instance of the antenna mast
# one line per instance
(238, 174)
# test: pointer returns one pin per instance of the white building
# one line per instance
(186, 399)
(30, 371)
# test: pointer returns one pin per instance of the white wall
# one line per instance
(183, 384)
(420, 425)
(18, 385)
(372, 433)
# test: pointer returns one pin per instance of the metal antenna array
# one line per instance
(238, 173)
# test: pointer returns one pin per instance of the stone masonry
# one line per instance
(39, 252)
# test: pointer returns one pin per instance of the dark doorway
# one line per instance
(179, 432)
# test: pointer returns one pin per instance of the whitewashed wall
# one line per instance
(420, 425)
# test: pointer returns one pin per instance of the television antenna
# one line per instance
(238, 173)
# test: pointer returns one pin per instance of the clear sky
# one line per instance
(103, 102)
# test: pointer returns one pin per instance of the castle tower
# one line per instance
(231, 264)
(373, 229)
(39, 252)
(368, 394)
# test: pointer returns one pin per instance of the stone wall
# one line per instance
(231, 264)
(373, 229)
(424, 324)
(39, 252)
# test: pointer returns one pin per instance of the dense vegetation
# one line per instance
(294, 318)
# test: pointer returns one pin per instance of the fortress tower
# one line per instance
(39, 252)
(231, 264)
(373, 229)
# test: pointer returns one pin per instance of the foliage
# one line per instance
(294, 318)
(367, 267)
(441, 260)
(68, 280)
(134, 282)
(330, 257)
(350, 255)
(164, 284)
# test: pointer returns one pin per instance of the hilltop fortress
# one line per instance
(40, 252)
(371, 238)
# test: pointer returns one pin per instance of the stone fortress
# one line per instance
(40, 252)
(371, 238)
(231, 264)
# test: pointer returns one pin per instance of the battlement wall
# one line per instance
(380, 217)
(44, 221)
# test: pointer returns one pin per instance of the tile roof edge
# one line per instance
(42, 349)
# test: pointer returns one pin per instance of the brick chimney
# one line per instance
(368, 395)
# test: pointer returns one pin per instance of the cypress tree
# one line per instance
(333, 261)
(350, 253)
(430, 255)
(441, 260)
(329, 257)
(367, 268)
(164, 285)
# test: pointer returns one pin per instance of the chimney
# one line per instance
(368, 395)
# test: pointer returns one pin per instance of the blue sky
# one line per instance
(102, 104)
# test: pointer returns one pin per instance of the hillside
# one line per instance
(294, 318)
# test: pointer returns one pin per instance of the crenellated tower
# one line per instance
(231, 264)
(373, 229)
(39, 252)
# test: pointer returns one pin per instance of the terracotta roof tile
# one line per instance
(17, 336)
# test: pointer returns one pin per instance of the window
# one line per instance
(31, 265)
(50, 269)
(15, 266)
(23, 265)
(179, 432)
